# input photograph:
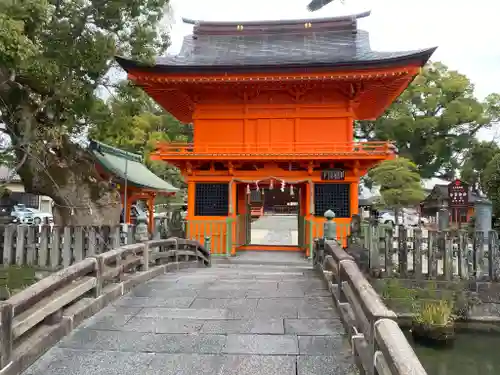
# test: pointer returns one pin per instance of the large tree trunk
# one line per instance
(66, 172)
(49, 163)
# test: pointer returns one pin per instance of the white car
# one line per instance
(41, 217)
(413, 220)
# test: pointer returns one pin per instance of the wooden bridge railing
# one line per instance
(379, 346)
(36, 318)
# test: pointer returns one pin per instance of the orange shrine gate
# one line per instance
(273, 105)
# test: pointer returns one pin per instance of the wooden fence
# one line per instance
(379, 346)
(52, 247)
(36, 318)
(431, 254)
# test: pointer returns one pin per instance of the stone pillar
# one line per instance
(330, 226)
(483, 212)
(443, 218)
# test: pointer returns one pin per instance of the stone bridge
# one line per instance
(260, 313)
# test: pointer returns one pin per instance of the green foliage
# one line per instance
(434, 121)
(491, 182)
(476, 159)
(434, 313)
(399, 182)
(15, 278)
(55, 56)
(430, 301)
(131, 120)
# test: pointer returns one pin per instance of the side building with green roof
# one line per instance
(134, 180)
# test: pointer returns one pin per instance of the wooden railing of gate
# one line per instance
(379, 346)
(36, 318)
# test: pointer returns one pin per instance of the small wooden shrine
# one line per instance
(273, 105)
(141, 183)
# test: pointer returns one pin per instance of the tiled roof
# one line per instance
(333, 42)
(126, 165)
(441, 192)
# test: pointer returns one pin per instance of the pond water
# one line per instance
(471, 354)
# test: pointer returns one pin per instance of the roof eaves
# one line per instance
(277, 22)
(420, 57)
(104, 148)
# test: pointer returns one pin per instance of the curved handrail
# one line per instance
(34, 319)
(378, 344)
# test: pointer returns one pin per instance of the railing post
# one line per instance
(6, 316)
(141, 232)
(8, 244)
(145, 257)
(22, 230)
(319, 253)
(374, 245)
(229, 236)
(98, 273)
(207, 243)
(403, 251)
(330, 226)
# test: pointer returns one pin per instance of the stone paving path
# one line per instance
(231, 319)
(275, 230)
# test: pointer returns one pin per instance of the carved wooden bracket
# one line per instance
(189, 168)
(310, 168)
(356, 169)
(297, 92)
(248, 92)
(352, 91)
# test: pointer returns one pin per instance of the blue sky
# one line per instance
(466, 32)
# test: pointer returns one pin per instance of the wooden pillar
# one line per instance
(309, 215)
(191, 192)
(354, 198)
(127, 206)
(232, 213)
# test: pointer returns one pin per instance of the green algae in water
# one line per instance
(471, 354)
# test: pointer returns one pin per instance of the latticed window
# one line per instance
(335, 197)
(211, 199)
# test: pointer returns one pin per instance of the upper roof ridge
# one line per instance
(341, 23)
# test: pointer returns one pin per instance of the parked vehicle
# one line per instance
(388, 217)
(41, 217)
(22, 214)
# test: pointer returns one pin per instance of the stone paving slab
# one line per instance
(255, 326)
(324, 345)
(313, 327)
(63, 361)
(258, 364)
(227, 320)
(162, 325)
(324, 365)
(262, 344)
(174, 302)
